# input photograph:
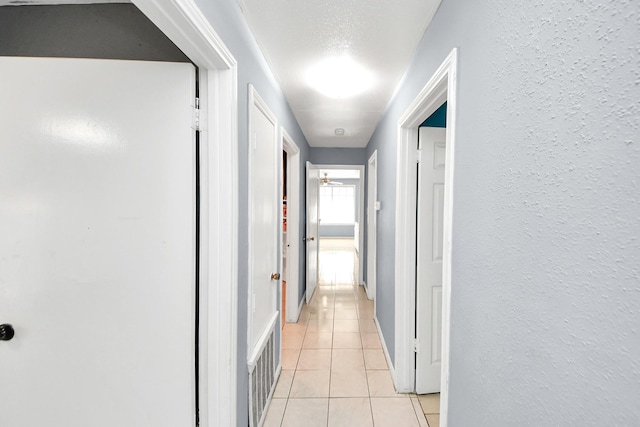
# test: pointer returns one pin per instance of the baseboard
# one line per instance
(386, 353)
(300, 309)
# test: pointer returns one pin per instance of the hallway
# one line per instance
(334, 371)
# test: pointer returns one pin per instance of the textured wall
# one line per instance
(546, 242)
(226, 18)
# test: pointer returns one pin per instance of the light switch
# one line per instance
(378, 206)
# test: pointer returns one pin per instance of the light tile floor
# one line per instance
(334, 372)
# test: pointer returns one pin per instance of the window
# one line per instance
(337, 204)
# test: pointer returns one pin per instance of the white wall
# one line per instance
(546, 225)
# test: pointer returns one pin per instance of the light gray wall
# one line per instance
(343, 230)
(226, 18)
(338, 156)
(546, 228)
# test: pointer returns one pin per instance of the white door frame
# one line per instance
(440, 88)
(293, 226)
(185, 25)
(360, 213)
(372, 224)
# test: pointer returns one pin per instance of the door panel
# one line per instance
(313, 229)
(372, 213)
(264, 222)
(429, 259)
(97, 167)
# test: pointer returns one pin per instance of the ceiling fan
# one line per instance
(327, 181)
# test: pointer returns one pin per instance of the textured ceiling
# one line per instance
(379, 35)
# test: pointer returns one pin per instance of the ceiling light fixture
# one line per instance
(340, 77)
(339, 132)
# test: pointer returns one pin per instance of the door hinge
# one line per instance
(196, 115)
(415, 345)
(418, 156)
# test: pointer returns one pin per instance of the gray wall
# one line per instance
(226, 18)
(546, 226)
(109, 31)
(343, 230)
(338, 156)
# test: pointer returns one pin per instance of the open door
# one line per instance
(97, 278)
(372, 216)
(432, 145)
(313, 227)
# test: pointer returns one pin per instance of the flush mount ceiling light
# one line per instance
(339, 132)
(340, 77)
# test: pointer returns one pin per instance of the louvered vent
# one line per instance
(262, 381)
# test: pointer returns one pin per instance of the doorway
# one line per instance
(439, 89)
(372, 220)
(291, 302)
(341, 211)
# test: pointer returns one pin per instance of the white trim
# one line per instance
(183, 22)
(293, 225)
(256, 100)
(360, 214)
(372, 220)
(441, 87)
(262, 341)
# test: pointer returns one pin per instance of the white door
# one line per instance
(264, 229)
(429, 258)
(313, 228)
(372, 194)
(97, 208)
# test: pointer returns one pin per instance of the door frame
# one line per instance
(372, 224)
(185, 24)
(361, 216)
(293, 227)
(440, 88)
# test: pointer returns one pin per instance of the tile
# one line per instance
(346, 340)
(313, 359)
(284, 384)
(346, 313)
(433, 420)
(351, 383)
(310, 384)
(320, 325)
(318, 340)
(343, 359)
(371, 340)
(306, 412)
(350, 412)
(275, 413)
(430, 403)
(367, 325)
(323, 313)
(381, 385)
(366, 314)
(290, 358)
(390, 412)
(422, 419)
(374, 359)
(299, 327)
(346, 325)
(292, 339)
(345, 304)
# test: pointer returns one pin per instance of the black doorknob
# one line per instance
(6, 332)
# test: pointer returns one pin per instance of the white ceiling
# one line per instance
(380, 35)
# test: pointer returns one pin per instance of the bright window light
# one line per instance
(340, 77)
